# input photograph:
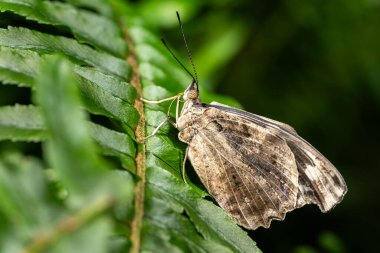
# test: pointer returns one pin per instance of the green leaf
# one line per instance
(22, 186)
(22, 64)
(31, 210)
(100, 101)
(161, 217)
(115, 144)
(24, 123)
(18, 66)
(101, 6)
(104, 94)
(21, 123)
(112, 84)
(88, 27)
(69, 138)
(44, 43)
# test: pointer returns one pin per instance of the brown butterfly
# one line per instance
(256, 168)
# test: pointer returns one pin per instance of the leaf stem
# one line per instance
(68, 225)
(140, 156)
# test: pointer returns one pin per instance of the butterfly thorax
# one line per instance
(191, 120)
(191, 113)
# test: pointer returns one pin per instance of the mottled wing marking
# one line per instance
(216, 177)
(319, 181)
(256, 168)
(250, 172)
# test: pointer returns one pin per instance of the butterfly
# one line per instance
(256, 168)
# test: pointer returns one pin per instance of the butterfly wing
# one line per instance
(319, 182)
(259, 169)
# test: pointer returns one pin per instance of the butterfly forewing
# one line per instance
(256, 168)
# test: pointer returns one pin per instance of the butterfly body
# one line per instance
(256, 168)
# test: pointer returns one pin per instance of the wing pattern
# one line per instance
(259, 169)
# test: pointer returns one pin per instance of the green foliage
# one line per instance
(21, 123)
(39, 210)
(78, 195)
(85, 26)
(44, 43)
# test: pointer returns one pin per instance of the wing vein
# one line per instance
(292, 172)
(266, 174)
(256, 182)
(225, 171)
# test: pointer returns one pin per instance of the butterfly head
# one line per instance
(192, 92)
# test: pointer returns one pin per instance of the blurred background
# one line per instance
(312, 64)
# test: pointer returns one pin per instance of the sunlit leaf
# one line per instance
(44, 43)
(86, 26)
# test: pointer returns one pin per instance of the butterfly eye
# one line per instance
(192, 94)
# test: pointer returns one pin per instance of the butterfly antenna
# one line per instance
(188, 50)
(175, 57)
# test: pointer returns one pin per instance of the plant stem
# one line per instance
(68, 225)
(140, 157)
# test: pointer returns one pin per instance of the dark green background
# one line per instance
(314, 65)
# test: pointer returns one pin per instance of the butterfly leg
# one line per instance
(183, 165)
(171, 121)
(167, 118)
(160, 101)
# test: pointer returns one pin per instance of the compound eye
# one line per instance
(192, 94)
